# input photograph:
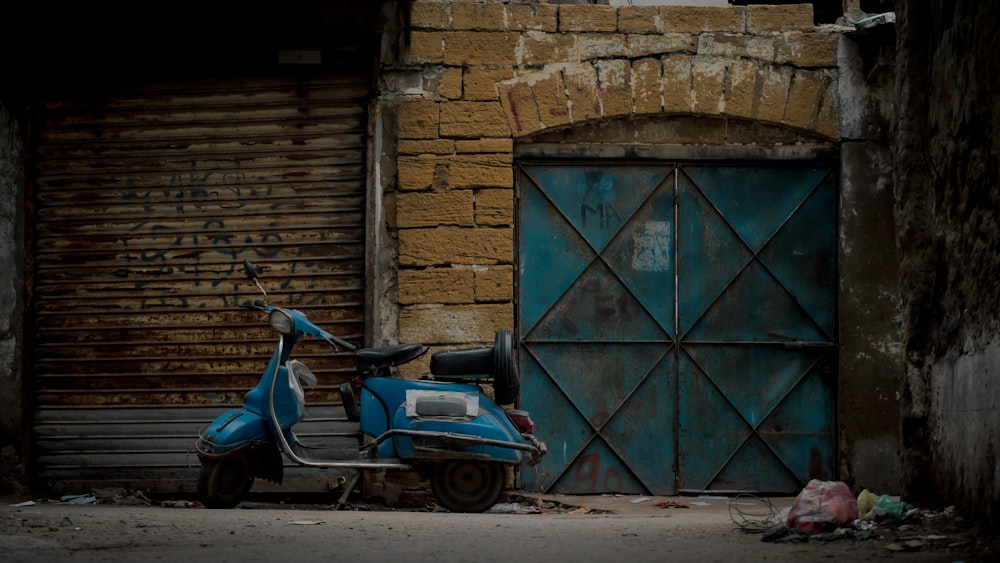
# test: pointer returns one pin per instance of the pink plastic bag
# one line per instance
(823, 506)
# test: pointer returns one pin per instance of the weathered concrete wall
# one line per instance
(948, 224)
(870, 364)
(11, 300)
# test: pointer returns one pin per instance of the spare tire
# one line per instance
(506, 383)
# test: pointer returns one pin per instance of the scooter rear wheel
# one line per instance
(467, 486)
(223, 482)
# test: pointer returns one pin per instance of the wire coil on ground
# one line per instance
(755, 514)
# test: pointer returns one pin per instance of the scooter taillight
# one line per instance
(522, 420)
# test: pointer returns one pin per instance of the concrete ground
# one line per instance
(522, 527)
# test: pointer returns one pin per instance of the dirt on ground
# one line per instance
(120, 525)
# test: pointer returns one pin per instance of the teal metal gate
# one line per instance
(677, 325)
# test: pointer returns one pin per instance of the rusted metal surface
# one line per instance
(147, 200)
(677, 324)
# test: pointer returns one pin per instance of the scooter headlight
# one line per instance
(281, 321)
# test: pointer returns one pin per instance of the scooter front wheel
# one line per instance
(223, 482)
(467, 486)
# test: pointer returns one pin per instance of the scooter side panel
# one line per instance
(486, 425)
(381, 396)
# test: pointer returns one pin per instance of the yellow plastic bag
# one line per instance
(866, 502)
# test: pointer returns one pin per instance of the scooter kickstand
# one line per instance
(348, 487)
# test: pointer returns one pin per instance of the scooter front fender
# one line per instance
(241, 432)
(231, 431)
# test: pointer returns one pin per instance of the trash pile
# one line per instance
(112, 495)
(828, 511)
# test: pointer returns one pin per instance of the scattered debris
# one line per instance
(514, 508)
(181, 504)
(670, 504)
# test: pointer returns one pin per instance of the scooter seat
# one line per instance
(467, 363)
(371, 359)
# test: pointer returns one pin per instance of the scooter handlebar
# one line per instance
(335, 342)
(255, 304)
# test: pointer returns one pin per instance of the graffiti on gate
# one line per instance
(597, 201)
(172, 250)
(589, 471)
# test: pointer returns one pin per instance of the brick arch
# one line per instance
(564, 95)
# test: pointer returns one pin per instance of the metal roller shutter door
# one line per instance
(146, 200)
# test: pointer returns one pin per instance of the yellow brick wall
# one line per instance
(508, 72)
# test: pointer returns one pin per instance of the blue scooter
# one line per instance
(446, 428)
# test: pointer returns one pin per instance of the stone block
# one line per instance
(532, 17)
(418, 120)
(437, 285)
(425, 146)
(581, 86)
(419, 172)
(494, 284)
(600, 46)
(677, 92)
(540, 49)
(431, 209)
(450, 84)
(429, 15)
(518, 103)
(766, 18)
(774, 82)
(614, 87)
(708, 75)
(807, 50)
(741, 88)
(477, 16)
(494, 208)
(480, 82)
(463, 325)
(760, 47)
(551, 100)
(700, 19)
(447, 246)
(804, 97)
(481, 170)
(639, 19)
(647, 86)
(649, 45)
(473, 120)
(465, 48)
(584, 18)
(425, 47)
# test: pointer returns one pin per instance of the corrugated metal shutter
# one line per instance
(147, 199)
